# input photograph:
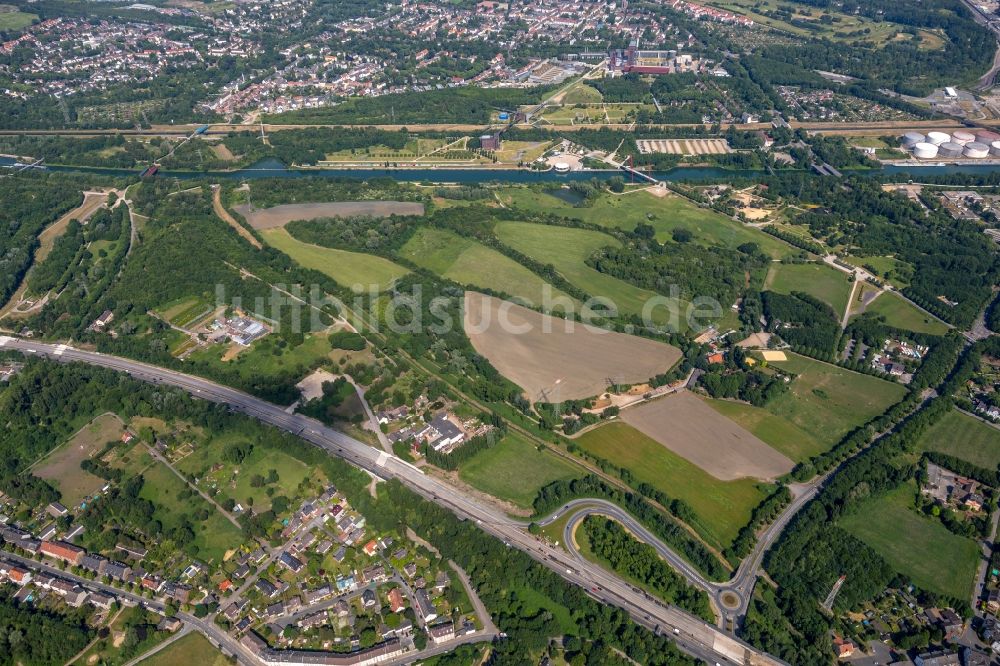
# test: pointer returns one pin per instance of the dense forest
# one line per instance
(31, 635)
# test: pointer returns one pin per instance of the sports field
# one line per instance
(190, 649)
(62, 466)
(553, 359)
(917, 546)
(902, 314)
(470, 263)
(828, 401)
(350, 269)
(964, 437)
(722, 507)
(683, 423)
(818, 280)
(515, 470)
(781, 434)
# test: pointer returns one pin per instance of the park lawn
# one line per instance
(582, 94)
(964, 437)
(350, 269)
(917, 546)
(905, 315)
(781, 434)
(190, 649)
(828, 401)
(472, 264)
(61, 467)
(626, 211)
(568, 249)
(213, 536)
(514, 470)
(721, 507)
(818, 280)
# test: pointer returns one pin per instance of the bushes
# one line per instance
(347, 340)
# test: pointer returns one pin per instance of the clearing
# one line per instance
(515, 470)
(903, 314)
(964, 437)
(687, 426)
(721, 507)
(361, 272)
(470, 263)
(554, 359)
(918, 547)
(818, 280)
(190, 649)
(62, 466)
(279, 216)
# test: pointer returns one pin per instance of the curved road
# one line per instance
(692, 634)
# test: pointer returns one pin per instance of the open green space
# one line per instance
(917, 546)
(61, 467)
(828, 401)
(470, 263)
(964, 437)
(347, 268)
(903, 314)
(104, 651)
(818, 280)
(190, 649)
(582, 94)
(515, 470)
(886, 267)
(780, 433)
(626, 211)
(568, 249)
(532, 601)
(12, 21)
(722, 507)
(267, 356)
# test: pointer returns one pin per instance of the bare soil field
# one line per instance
(552, 359)
(279, 216)
(690, 428)
(62, 466)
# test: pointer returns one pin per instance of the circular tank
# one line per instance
(987, 137)
(963, 137)
(937, 138)
(950, 149)
(925, 151)
(911, 139)
(561, 167)
(976, 150)
(995, 148)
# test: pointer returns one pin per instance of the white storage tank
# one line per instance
(925, 151)
(911, 139)
(976, 150)
(995, 148)
(561, 167)
(937, 138)
(963, 137)
(950, 149)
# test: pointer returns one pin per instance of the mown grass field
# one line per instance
(514, 470)
(722, 507)
(582, 94)
(902, 314)
(964, 437)
(350, 269)
(62, 466)
(818, 280)
(470, 263)
(780, 433)
(12, 21)
(828, 401)
(626, 211)
(191, 649)
(917, 546)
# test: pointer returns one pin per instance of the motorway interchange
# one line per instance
(692, 634)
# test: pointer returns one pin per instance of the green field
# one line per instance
(781, 434)
(722, 507)
(350, 269)
(190, 649)
(568, 249)
(917, 546)
(266, 357)
(818, 280)
(964, 437)
(470, 263)
(903, 314)
(582, 94)
(828, 401)
(625, 211)
(12, 21)
(514, 470)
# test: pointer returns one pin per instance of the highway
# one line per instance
(692, 634)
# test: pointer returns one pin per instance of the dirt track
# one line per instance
(683, 423)
(279, 216)
(551, 363)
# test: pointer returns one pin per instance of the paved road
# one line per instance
(692, 634)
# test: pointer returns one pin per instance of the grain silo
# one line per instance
(925, 151)
(937, 138)
(963, 137)
(976, 150)
(950, 149)
(911, 139)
